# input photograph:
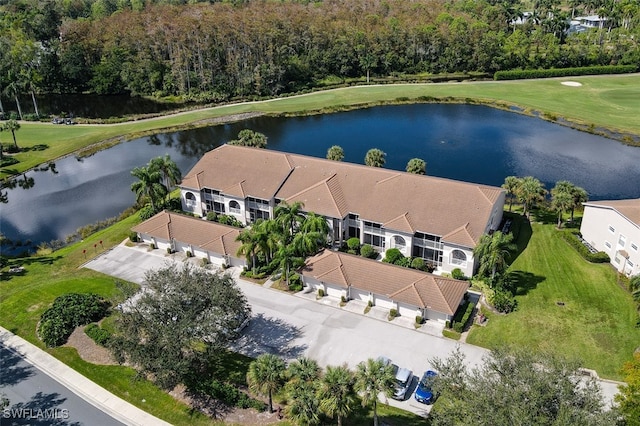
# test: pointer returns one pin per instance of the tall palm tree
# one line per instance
(317, 224)
(304, 369)
(511, 184)
(168, 169)
(375, 158)
(290, 217)
(561, 202)
(580, 195)
(13, 126)
(288, 259)
(148, 185)
(530, 191)
(417, 166)
(306, 243)
(336, 392)
(335, 153)
(250, 245)
(493, 252)
(372, 379)
(266, 376)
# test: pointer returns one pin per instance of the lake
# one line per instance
(464, 142)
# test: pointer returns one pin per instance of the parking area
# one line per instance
(295, 325)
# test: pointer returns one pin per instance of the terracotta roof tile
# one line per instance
(629, 208)
(401, 284)
(208, 235)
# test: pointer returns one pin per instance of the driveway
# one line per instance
(294, 325)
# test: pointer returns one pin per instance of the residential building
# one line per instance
(410, 292)
(440, 220)
(614, 228)
(203, 239)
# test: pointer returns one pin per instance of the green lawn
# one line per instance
(596, 322)
(604, 101)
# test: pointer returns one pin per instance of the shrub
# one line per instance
(419, 319)
(169, 250)
(343, 299)
(189, 254)
(457, 274)
(462, 316)
(572, 236)
(368, 251)
(417, 263)
(354, 245)
(212, 216)
(404, 261)
(230, 395)
(320, 292)
(563, 72)
(99, 335)
(133, 237)
(503, 301)
(205, 261)
(393, 256)
(146, 212)
(369, 304)
(392, 314)
(68, 312)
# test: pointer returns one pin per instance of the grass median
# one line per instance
(608, 102)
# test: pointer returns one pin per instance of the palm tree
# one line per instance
(169, 170)
(267, 236)
(306, 243)
(417, 166)
(374, 158)
(287, 259)
(303, 369)
(303, 405)
(336, 392)
(492, 253)
(530, 191)
(580, 196)
(335, 153)
(634, 286)
(511, 184)
(248, 238)
(148, 185)
(13, 126)
(372, 379)
(561, 202)
(289, 217)
(266, 376)
(317, 224)
(248, 137)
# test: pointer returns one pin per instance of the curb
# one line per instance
(94, 394)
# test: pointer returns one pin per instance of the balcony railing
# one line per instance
(235, 210)
(213, 197)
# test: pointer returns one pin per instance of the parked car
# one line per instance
(424, 394)
(403, 382)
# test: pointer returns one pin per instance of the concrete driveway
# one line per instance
(295, 325)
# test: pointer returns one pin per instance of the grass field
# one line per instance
(602, 101)
(595, 321)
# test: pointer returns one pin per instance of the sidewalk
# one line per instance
(99, 397)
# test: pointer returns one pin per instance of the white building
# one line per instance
(614, 228)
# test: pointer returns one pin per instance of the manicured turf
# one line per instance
(565, 305)
(602, 101)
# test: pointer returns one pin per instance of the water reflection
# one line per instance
(469, 143)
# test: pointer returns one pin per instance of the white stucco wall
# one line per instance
(602, 227)
(191, 207)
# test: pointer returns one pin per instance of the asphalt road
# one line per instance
(37, 399)
(292, 326)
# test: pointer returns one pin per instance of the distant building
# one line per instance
(439, 220)
(581, 24)
(614, 228)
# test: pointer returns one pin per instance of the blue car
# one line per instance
(424, 394)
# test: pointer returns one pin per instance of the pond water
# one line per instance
(464, 142)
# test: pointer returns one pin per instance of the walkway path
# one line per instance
(96, 395)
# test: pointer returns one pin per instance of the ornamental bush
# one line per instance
(354, 245)
(393, 256)
(457, 274)
(68, 312)
(98, 334)
(572, 236)
(368, 251)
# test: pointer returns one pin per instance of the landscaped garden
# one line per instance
(565, 304)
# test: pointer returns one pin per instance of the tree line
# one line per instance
(217, 51)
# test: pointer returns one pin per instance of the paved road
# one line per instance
(291, 325)
(37, 399)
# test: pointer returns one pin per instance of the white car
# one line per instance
(403, 382)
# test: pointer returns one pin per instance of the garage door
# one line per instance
(357, 294)
(406, 310)
(384, 302)
(335, 291)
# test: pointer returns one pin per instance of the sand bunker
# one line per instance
(571, 83)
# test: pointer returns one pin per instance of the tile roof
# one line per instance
(401, 284)
(210, 236)
(629, 208)
(429, 204)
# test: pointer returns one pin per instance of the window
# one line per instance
(622, 240)
(234, 206)
(374, 240)
(190, 199)
(630, 263)
(608, 244)
(459, 258)
(612, 229)
(634, 247)
(398, 242)
(616, 259)
(190, 196)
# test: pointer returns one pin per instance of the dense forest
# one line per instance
(215, 51)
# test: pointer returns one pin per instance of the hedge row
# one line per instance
(97, 334)
(68, 312)
(570, 236)
(563, 72)
(459, 325)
